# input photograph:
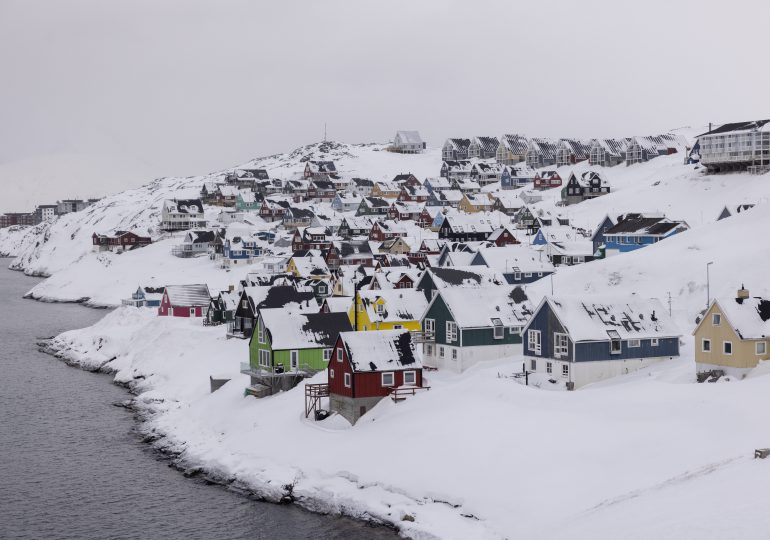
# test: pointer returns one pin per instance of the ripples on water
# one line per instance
(71, 466)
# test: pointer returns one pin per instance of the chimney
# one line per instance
(230, 288)
(742, 295)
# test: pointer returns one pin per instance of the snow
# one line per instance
(647, 455)
(651, 454)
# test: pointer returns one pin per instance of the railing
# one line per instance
(303, 370)
(400, 393)
(420, 336)
(313, 395)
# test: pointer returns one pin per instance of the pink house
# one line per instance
(184, 301)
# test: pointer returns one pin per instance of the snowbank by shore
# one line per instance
(478, 456)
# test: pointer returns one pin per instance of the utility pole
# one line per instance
(324, 131)
(708, 285)
(669, 303)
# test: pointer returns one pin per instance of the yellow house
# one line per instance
(733, 335)
(313, 267)
(386, 190)
(475, 202)
(388, 310)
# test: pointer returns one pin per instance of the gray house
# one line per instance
(408, 142)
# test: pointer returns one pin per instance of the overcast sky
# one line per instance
(186, 87)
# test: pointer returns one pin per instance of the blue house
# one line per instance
(240, 250)
(598, 237)
(576, 341)
(516, 176)
(145, 297)
(634, 231)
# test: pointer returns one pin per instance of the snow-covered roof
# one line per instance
(409, 137)
(400, 305)
(645, 225)
(470, 223)
(517, 144)
(339, 304)
(183, 206)
(488, 306)
(750, 318)
(384, 350)
(188, 295)
(289, 330)
(596, 318)
(311, 266)
(466, 276)
(515, 258)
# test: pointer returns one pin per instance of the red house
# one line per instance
(368, 366)
(184, 301)
(503, 237)
(385, 230)
(547, 180)
(121, 241)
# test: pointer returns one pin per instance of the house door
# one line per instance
(294, 360)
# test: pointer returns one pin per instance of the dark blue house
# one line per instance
(576, 341)
(598, 237)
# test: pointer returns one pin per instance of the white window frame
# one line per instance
(327, 354)
(634, 343)
(294, 359)
(619, 350)
(560, 344)
(264, 358)
(716, 319)
(339, 354)
(347, 380)
(534, 341)
(549, 367)
(398, 326)
(703, 346)
(764, 348)
(565, 370)
(724, 348)
(380, 308)
(429, 349)
(429, 327)
(260, 332)
(498, 330)
(392, 377)
(454, 354)
(451, 331)
(192, 312)
(410, 377)
(441, 351)
(654, 342)
(331, 373)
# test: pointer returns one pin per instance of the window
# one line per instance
(264, 358)
(380, 308)
(565, 370)
(454, 354)
(192, 312)
(331, 373)
(549, 367)
(516, 276)
(527, 274)
(410, 377)
(761, 347)
(498, 329)
(654, 342)
(706, 345)
(397, 327)
(716, 319)
(429, 349)
(327, 354)
(429, 326)
(387, 379)
(633, 343)
(560, 345)
(451, 331)
(533, 341)
(533, 364)
(441, 352)
(294, 359)
(245, 304)
(260, 332)
(339, 354)
(727, 347)
(347, 380)
(322, 289)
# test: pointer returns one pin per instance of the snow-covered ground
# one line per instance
(650, 454)
(478, 456)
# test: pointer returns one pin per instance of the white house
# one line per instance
(182, 214)
(408, 142)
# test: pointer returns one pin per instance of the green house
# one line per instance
(247, 202)
(291, 342)
(464, 326)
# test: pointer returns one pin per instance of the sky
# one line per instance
(183, 87)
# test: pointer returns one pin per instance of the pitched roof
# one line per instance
(188, 295)
(466, 276)
(184, 206)
(400, 305)
(514, 258)
(750, 318)
(641, 224)
(409, 137)
(488, 306)
(517, 144)
(592, 318)
(384, 350)
(737, 126)
(290, 330)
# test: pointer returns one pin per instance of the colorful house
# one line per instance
(184, 301)
(576, 341)
(634, 231)
(732, 337)
(464, 326)
(368, 366)
(391, 309)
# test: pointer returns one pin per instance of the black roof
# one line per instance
(633, 223)
(736, 126)
(280, 295)
(301, 213)
(327, 326)
(377, 202)
(455, 276)
(363, 182)
(323, 184)
(186, 206)
(204, 236)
